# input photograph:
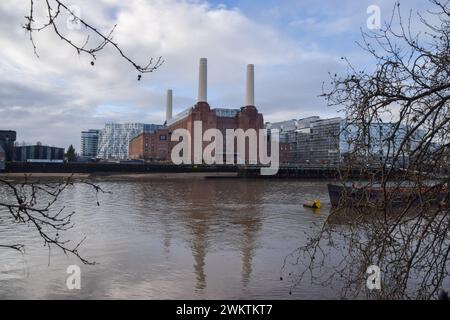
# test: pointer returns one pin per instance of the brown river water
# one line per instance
(172, 239)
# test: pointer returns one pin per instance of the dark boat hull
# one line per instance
(346, 196)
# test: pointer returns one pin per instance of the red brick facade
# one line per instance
(150, 146)
(284, 153)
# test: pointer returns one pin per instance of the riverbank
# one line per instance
(120, 176)
(108, 168)
(158, 170)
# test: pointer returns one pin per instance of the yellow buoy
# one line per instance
(315, 204)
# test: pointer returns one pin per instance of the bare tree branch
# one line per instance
(395, 214)
(33, 203)
(55, 9)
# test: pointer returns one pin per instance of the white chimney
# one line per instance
(169, 105)
(202, 80)
(250, 93)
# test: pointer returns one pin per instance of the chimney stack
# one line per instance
(202, 81)
(169, 105)
(250, 93)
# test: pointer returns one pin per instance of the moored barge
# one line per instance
(376, 196)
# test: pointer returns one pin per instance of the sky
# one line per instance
(294, 45)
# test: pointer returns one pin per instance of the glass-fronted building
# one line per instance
(381, 143)
(327, 142)
(114, 139)
(89, 143)
(38, 152)
(310, 141)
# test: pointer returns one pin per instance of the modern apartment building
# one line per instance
(310, 141)
(89, 143)
(328, 142)
(38, 152)
(114, 139)
(380, 143)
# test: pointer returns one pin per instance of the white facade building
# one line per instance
(114, 139)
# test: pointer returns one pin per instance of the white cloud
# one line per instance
(53, 98)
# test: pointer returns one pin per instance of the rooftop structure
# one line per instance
(226, 113)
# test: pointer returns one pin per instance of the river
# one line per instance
(172, 239)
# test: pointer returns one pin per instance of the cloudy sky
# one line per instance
(293, 44)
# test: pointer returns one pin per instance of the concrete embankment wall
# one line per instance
(124, 168)
(284, 172)
(95, 168)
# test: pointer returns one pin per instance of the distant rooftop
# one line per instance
(132, 125)
(225, 112)
(220, 112)
(150, 128)
(294, 124)
(179, 116)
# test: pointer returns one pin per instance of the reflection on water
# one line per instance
(159, 239)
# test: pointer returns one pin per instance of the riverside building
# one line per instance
(7, 139)
(89, 143)
(310, 141)
(158, 144)
(114, 139)
(38, 153)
